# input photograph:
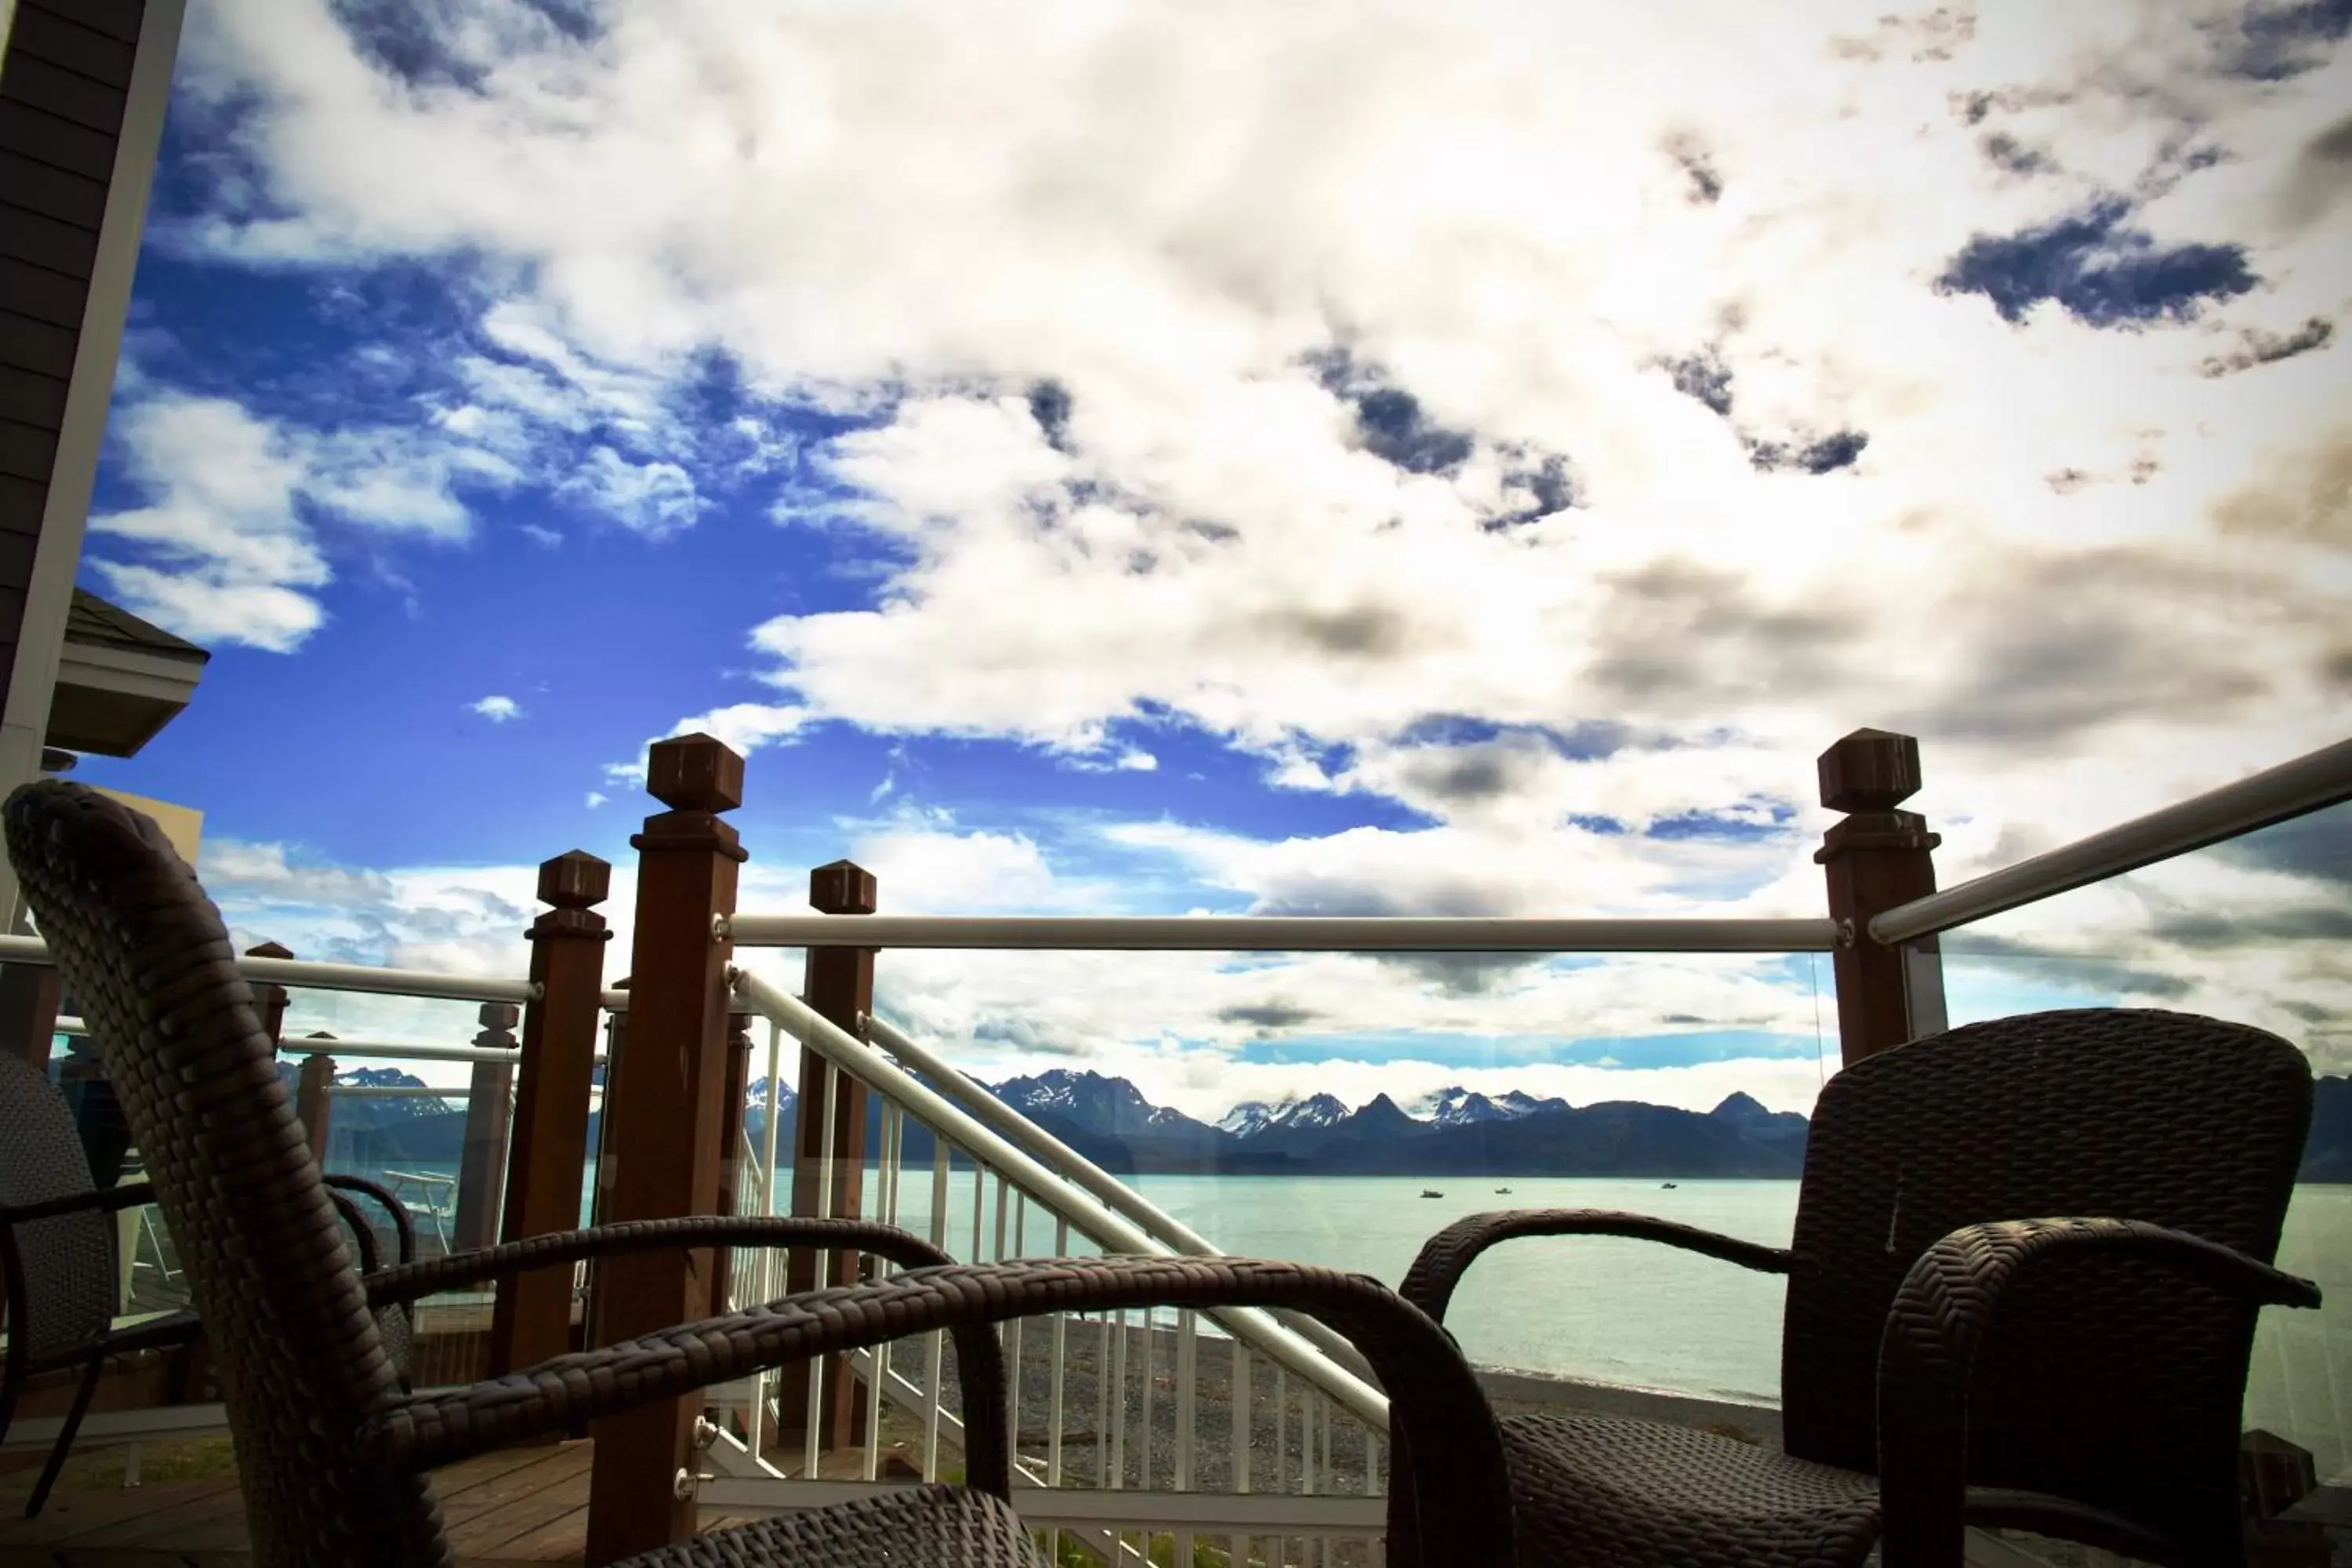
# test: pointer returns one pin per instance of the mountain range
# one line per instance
(1453, 1132)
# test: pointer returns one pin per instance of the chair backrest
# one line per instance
(2110, 1382)
(63, 1278)
(300, 1359)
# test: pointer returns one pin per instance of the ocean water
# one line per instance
(1616, 1310)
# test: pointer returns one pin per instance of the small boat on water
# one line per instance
(1430, 1192)
(1506, 1191)
(1663, 1185)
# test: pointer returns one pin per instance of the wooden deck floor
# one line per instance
(520, 1506)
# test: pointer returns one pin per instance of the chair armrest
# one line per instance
(1445, 1257)
(1454, 1470)
(412, 1281)
(362, 1232)
(404, 1229)
(130, 1194)
(1947, 1303)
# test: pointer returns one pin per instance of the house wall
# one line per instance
(64, 84)
(84, 85)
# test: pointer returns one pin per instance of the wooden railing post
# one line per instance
(664, 1107)
(532, 1318)
(314, 1099)
(489, 1118)
(1876, 860)
(268, 1000)
(839, 984)
(30, 994)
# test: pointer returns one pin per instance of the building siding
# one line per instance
(63, 85)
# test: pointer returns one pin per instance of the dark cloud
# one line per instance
(2099, 268)
(2308, 499)
(2071, 644)
(2009, 155)
(2274, 42)
(2258, 347)
(1705, 182)
(1684, 630)
(1049, 404)
(2320, 177)
(2020, 959)
(1464, 973)
(1267, 1014)
(2318, 845)
(2263, 927)
(1474, 775)
(1704, 376)
(1824, 455)
(1370, 631)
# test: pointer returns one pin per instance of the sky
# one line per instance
(1326, 459)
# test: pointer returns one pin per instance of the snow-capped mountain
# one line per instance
(1457, 1107)
(1252, 1117)
(1089, 1100)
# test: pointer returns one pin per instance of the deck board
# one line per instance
(523, 1505)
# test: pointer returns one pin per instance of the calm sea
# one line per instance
(1615, 1311)
(1625, 1311)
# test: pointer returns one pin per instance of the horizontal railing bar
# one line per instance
(1108, 1230)
(394, 1091)
(304, 975)
(2309, 783)
(390, 1050)
(1067, 1163)
(1282, 933)
(1252, 1514)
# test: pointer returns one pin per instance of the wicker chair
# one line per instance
(1946, 1359)
(333, 1459)
(57, 1251)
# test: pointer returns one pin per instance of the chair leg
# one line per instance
(66, 1435)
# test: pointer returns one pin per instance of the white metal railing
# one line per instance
(1280, 934)
(2310, 783)
(303, 974)
(1127, 1404)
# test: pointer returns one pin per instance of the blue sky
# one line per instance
(1165, 456)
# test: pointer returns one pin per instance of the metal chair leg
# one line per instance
(65, 1437)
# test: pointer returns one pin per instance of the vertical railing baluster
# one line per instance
(886, 1203)
(1102, 1407)
(1281, 1428)
(1012, 1329)
(824, 1177)
(940, 1176)
(1187, 1410)
(1240, 1386)
(1150, 1359)
(1056, 1367)
(1118, 1401)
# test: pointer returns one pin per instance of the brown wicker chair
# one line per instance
(333, 1458)
(58, 1252)
(1947, 1360)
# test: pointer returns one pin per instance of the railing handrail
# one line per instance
(1072, 1166)
(358, 1048)
(1107, 1228)
(1282, 934)
(2310, 783)
(304, 975)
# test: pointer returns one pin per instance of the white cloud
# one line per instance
(744, 727)
(597, 799)
(495, 708)
(232, 553)
(2090, 576)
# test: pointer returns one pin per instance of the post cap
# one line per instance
(574, 881)
(694, 773)
(844, 887)
(1870, 770)
(269, 949)
(501, 1015)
